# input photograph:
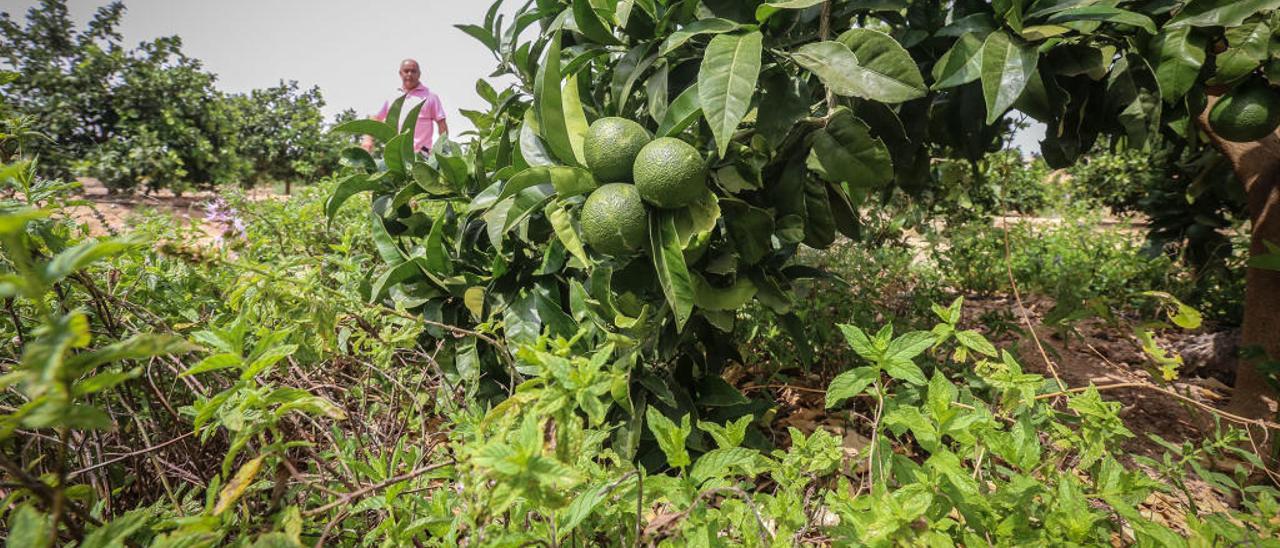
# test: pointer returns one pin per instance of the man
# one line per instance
(431, 115)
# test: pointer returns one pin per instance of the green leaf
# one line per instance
(882, 70)
(103, 381)
(711, 25)
(708, 297)
(908, 346)
(267, 359)
(532, 148)
(349, 187)
(1178, 54)
(1269, 260)
(1248, 45)
(887, 78)
(550, 105)
(479, 33)
(727, 82)
(718, 463)
(590, 24)
(562, 223)
(728, 435)
(849, 154)
(1106, 14)
(1179, 313)
(850, 384)
(393, 154)
(117, 531)
(381, 131)
(671, 438)
(572, 181)
(714, 391)
(682, 112)
(137, 347)
(766, 10)
(940, 396)
(1007, 66)
(382, 240)
(819, 222)
(1219, 13)
(214, 363)
(668, 260)
(437, 256)
(976, 342)
(860, 343)
(959, 65)
(751, 230)
(29, 528)
(358, 158)
(581, 508)
(393, 115)
(627, 71)
(395, 275)
(80, 256)
(575, 119)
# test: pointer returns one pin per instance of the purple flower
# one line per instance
(218, 212)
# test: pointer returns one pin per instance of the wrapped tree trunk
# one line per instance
(1257, 165)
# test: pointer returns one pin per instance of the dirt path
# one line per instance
(108, 214)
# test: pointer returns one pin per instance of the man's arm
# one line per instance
(443, 125)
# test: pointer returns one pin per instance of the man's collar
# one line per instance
(421, 86)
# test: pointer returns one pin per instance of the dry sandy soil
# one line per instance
(111, 213)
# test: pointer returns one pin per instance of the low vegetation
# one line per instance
(827, 311)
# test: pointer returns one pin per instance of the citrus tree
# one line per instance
(657, 164)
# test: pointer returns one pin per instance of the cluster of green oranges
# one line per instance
(636, 172)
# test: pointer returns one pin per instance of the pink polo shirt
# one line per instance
(424, 132)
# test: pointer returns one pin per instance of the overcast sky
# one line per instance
(350, 49)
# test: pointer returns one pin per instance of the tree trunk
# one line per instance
(1257, 165)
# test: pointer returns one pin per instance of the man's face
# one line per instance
(409, 74)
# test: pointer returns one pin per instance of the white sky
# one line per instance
(350, 49)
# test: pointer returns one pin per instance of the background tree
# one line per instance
(283, 134)
(152, 117)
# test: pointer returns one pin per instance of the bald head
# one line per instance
(410, 74)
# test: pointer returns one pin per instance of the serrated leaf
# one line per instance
(671, 438)
(976, 342)
(860, 343)
(718, 463)
(850, 384)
